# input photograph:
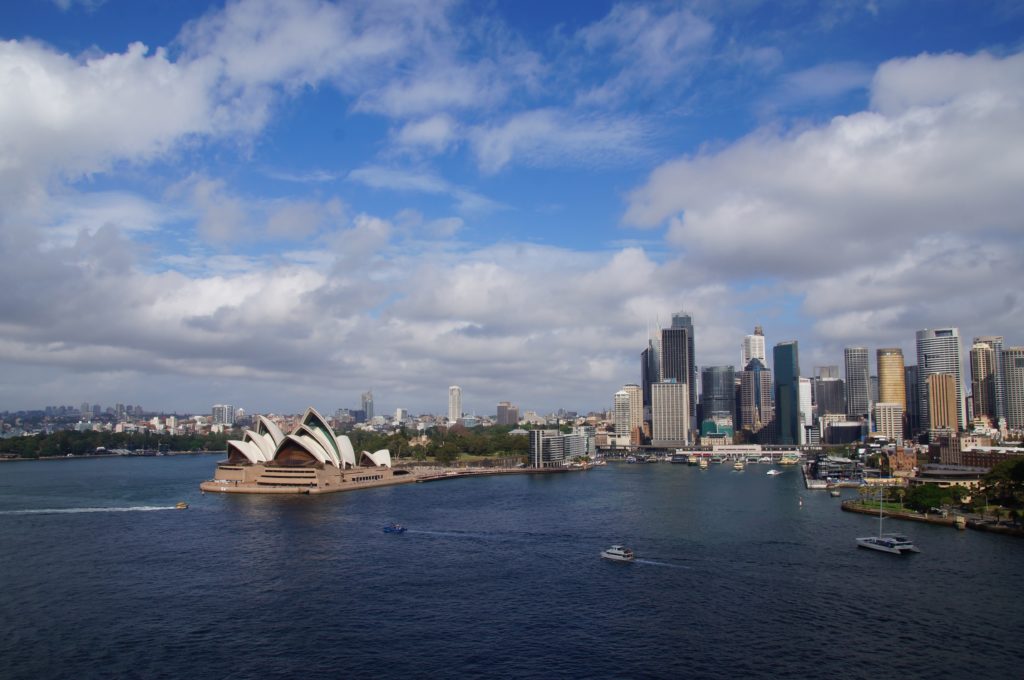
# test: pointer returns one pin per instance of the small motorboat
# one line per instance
(773, 472)
(181, 505)
(618, 553)
(394, 529)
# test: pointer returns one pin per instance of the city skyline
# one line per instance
(281, 204)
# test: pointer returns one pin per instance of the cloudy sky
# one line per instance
(282, 204)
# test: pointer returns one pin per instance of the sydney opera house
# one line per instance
(312, 459)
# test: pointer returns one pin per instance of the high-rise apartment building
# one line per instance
(983, 380)
(367, 400)
(621, 409)
(938, 351)
(753, 348)
(889, 420)
(999, 373)
(454, 403)
(1013, 368)
(507, 414)
(222, 414)
(787, 392)
(670, 419)
(892, 388)
(677, 360)
(857, 381)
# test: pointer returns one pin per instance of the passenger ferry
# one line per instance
(618, 553)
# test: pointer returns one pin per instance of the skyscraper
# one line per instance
(857, 381)
(636, 411)
(913, 412)
(942, 411)
(999, 371)
(892, 387)
(787, 392)
(621, 407)
(677, 360)
(829, 395)
(806, 408)
(983, 380)
(669, 417)
(454, 403)
(718, 387)
(650, 372)
(753, 348)
(756, 409)
(1013, 366)
(368, 405)
(938, 351)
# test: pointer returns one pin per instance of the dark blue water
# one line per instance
(496, 577)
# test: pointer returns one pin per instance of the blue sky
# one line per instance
(277, 204)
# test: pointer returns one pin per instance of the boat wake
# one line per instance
(74, 511)
(655, 563)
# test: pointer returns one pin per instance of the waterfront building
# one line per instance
(1013, 367)
(621, 409)
(551, 448)
(507, 414)
(753, 347)
(454, 403)
(889, 420)
(222, 414)
(756, 403)
(367, 403)
(942, 411)
(669, 414)
(718, 392)
(999, 374)
(787, 392)
(938, 351)
(983, 380)
(857, 381)
(716, 430)
(677, 359)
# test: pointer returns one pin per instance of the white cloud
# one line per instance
(435, 133)
(554, 137)
(380, 177)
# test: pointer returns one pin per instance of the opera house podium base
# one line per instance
(260, 478)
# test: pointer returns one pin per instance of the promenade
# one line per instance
(970, 521)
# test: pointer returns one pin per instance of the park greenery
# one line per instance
(441, 445)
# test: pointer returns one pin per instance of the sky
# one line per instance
(286, 204)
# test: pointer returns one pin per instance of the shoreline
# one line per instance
(926, 518)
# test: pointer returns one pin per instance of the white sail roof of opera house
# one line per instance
(313, 435)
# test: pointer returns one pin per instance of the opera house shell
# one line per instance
(311, 459)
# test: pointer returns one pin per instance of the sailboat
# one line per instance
(897, 544)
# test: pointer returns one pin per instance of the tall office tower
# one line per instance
(913, 411)
(621, 410)
(718, 391)
(873, 390)
(507, 414)
(996, 343)
(857, 381)
(368, 405)
(889, 420)
(787, 392)
(223, 414)
(670, 421)
(650, 372)
(454, 403)
(983, 380)
(753, 348)
(806, 408)
(636, 409)
(826, 372)
(938, 351)
(892, 387)
(1013, 370)
(677, 361)
(942, 411)
(829, 395)
(756, 407)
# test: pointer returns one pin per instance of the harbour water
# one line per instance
(738, 574)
